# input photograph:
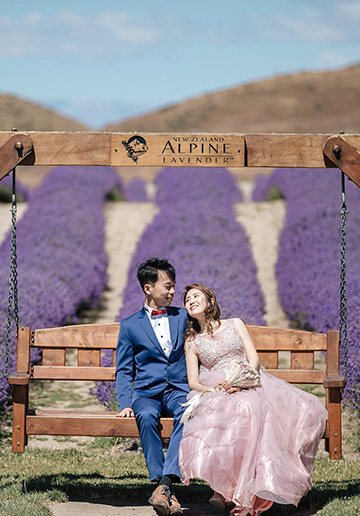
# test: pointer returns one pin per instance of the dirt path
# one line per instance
(114, 508)
(263, 223)
(125, 223)
(5, 217)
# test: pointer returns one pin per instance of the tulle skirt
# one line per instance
(254, 447)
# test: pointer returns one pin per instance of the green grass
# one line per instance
(48, 393)
(30, 481)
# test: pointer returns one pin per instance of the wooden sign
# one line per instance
(180, 150)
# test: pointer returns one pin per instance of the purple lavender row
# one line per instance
(135, 190)
(308, 268)
(197, 231)
(61, 258)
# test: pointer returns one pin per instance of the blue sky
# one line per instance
(107, 60)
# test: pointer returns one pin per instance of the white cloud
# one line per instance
(65, 32)
(309, 26)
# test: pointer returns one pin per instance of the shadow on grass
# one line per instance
(318, 497)
(134, 490)
(129, 487)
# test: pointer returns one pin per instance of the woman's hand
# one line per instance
(224, 385)
(232, 390)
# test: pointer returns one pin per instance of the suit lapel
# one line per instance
(145, 323)
(174, 328)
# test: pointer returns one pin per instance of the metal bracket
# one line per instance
(344, 156)
(15, 150)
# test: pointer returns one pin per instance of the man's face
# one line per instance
(162, 293)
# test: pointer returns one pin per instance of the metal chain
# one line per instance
(13, 302)
(343, 293)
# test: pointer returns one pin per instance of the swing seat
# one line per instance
(90, 340)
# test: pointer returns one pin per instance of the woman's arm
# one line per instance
(251, 352)
(192, 366)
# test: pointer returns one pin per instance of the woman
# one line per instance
(253, 445)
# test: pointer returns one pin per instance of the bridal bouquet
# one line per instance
(242, 375)
(238, 375)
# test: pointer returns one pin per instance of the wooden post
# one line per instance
(21, 392)
(333, 395)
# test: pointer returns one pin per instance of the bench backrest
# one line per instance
(89, 341)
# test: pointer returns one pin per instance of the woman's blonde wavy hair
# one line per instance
(212, 312)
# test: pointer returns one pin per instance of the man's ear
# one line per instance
(147, 289)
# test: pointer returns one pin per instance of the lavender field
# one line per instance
(195, 228)
(61, 258)
(308, 267)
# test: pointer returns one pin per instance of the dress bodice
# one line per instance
(217, 351)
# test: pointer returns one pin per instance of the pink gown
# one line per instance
(257, 446)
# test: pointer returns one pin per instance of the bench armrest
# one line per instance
(19, 378)
(334, 380)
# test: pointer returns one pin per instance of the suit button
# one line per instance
(168, 363)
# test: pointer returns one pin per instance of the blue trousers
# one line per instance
(147, 412)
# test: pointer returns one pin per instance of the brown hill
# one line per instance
(27, 116)
(303, 103)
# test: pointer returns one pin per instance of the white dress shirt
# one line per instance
(161, 327)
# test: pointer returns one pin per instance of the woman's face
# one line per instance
(195, 303)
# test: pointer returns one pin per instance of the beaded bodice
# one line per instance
(217, 351)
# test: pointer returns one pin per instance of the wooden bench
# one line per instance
(90, 340)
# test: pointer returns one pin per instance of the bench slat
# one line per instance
(302, 360)
(93, 336)
(89, 357)
(269, 359)
(105, 336)
(73, 373)
(108, 374)
(298, 375)
(53, 357)
(266, 338)
(58, 423)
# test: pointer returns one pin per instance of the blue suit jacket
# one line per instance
(142, 368)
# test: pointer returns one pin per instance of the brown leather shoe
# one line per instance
(160, 500)
(175, 507)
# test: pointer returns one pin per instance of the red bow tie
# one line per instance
(158, 312)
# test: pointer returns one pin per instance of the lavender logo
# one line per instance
(135, 146)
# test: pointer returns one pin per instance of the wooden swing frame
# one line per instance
(159, 150)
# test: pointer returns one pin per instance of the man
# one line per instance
(151, 376)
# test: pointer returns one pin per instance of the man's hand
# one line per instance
(126, 412)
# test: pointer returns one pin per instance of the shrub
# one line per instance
(61, 257)
(308, 268)
(135, 190)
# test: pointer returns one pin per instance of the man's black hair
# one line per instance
(148, 271)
